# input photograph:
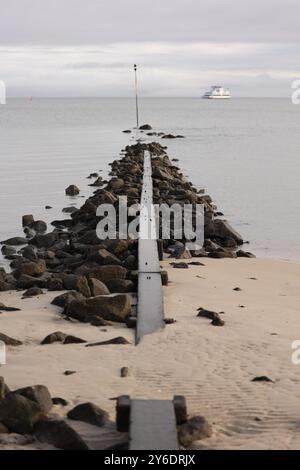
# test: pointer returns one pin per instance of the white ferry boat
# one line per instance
(217, 93)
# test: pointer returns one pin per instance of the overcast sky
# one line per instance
(88, 47)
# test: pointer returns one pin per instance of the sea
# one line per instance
(244, 152)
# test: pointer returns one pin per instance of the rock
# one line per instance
(55, 284)
(127, 131)
(59, 434)
(222, 253)
(78, 283)
(57, 337)
(237, 289)
(98, 288)
(4, 390)
(222, 229)
(44, 241)
(3, 429)
(9, 341)
(116, 183)
(27, 220)
(69, 372)
(194, 429)
(104, 257)
(25, 281)
(29, 253)
(70, 339)
(106, 273)
(120, 285)
(131, 262)
(72, 190)
(145, 127)
(264, 378)
(32, 292)
(245, 254)
(15, 241)
(98, 182)
(164, 278)
(69, 210)
(89, 413)
(180, 265)
(4, 308)
(59, 401)
(180, 252)
(196, 263)
(214, 316)
(113, 308)
(64, 299)
(8, 250)
(118, 340)
(40, 226)
(19, 414)
(124, 372)
(39, 394)
(29, 232)
(32, 268)
(48, 207)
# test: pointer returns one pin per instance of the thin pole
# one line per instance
(136, 97)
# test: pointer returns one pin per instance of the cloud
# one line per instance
(165, 69)
(73, 22)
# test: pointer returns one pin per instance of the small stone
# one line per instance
(237, 289)
(263, 378)
(69, 372)
(180, 265)
(59, 401)
(124, 372)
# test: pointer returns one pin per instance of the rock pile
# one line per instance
(99, 274)
(26, 411)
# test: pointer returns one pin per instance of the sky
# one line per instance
(88, 47)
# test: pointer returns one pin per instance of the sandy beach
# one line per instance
(212, 366)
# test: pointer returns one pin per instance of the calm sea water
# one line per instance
(245, 152)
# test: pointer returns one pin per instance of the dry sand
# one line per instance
(212, 366)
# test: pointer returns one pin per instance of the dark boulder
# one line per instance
(64, 299)
(10, 341)
(89, 413)
(59, 434)
(104, 257)
(27, 220)
(15, 241)
(38, 394)
(98, 288)
(194, 429)
(121, 285)
(19, 414)
(4, 390)
(72, 190)
(32, 292)
(40, 226)
(78, 283)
